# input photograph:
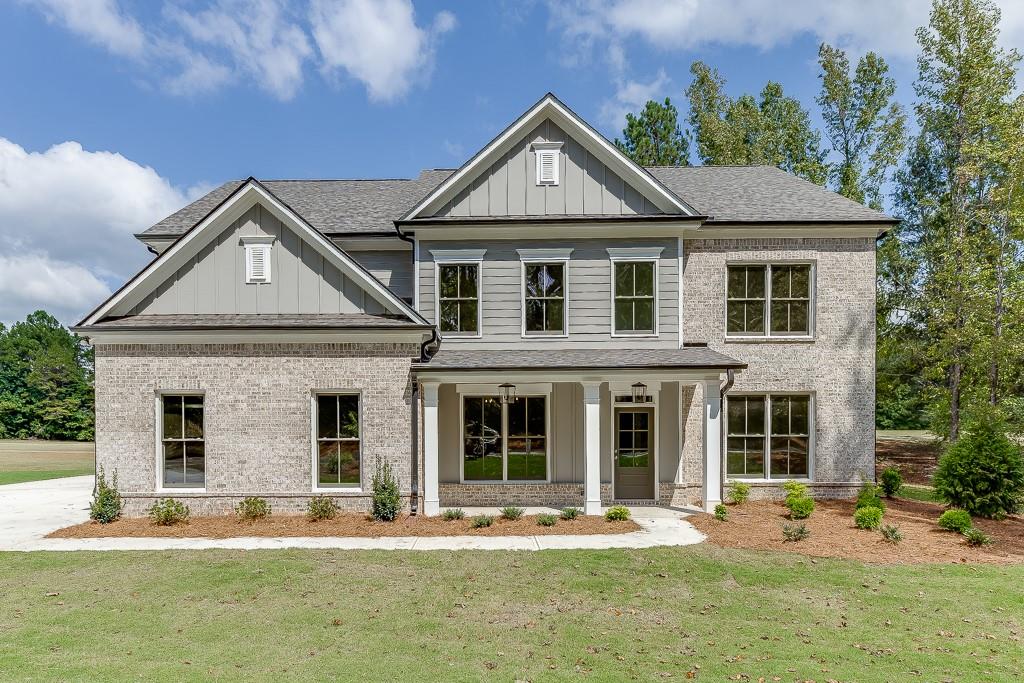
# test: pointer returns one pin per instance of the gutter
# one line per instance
(730, 378)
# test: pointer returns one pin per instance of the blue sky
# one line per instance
(116, 112)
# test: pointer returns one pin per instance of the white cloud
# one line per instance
(631, 96)
(100, 21)
(377, 42)
(70, 214)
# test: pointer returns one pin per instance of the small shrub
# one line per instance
(791, 533)
(512, 513)
(982, 472)
(868, 518)
(106, 503)
(739, 492)
(168, 512)
(794, 489)
(321, 508)
(570, 513)
(481, 521)
(721, 512)
(617, 513)
(386, 499)
(955, 520)
(869, 498)
(452, 514)
(547, 519)
(891, 481)
(977, 538)
(253, 508)
(800, 507)
(891, 533)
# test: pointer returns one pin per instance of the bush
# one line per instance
(739, 492)
(721, 512)
(253, 508)
(794, 489)
(891, 481)
(452, 514)
(168, 512)
(891, 533)
(512, 513)
(106, 503)
(800, 507)
(977, 537)
(955, 520)
(982, 472)
(481, 521)
(869, 498)
(868, 517)
(386, 499)
(570, 513)
(791, 533)
(321, 508)
(547, 519)
(617, 513)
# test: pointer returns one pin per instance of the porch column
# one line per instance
(431, 499)
(712, 493)
(592, 430)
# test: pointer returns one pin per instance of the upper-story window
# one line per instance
(459, 298)
(635, 291)
(545, 291)
(769, 300)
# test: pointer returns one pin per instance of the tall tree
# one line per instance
(863, 121)
(653, 138)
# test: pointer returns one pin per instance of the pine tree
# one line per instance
(653, 138)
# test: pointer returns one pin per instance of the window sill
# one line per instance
(358, 490)
(180, 490)
(767, 482)
(634, 335)
(498, 482)
(803, 339)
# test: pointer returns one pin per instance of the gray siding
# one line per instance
(392, 267)
(586, 186)
(302, 281)
(589, 294)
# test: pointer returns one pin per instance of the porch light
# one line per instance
(639, 392)
(507, 392)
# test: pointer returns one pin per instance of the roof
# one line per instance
(224, 321)
(689, 357)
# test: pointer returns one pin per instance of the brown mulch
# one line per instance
(917, 459)
(758, 526)
(351, 525)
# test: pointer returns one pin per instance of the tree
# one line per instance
(653, 138)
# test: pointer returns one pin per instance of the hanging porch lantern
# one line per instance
(639, 392)
(507, 392)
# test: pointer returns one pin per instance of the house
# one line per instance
(548, 324)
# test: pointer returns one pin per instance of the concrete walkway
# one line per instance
(30, 511)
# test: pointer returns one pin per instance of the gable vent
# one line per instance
(257, 259)
(547, 162)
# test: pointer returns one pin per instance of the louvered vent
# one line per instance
(547, 162)
(257, 263)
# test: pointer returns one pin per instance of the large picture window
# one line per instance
(768, 436)
(634, 297)
(337, 440)
(768, 300)
(544, 298)
(459, 298)
(504, 442)
(184, 447)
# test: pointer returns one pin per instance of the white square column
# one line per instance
(431, 499)
(592, 441)
(712, 493)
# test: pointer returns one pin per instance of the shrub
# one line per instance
(386, 499)
(547, 519)
(869, 498)
(168, 512)
(982, 472)
(321, 508)
(800, 507)
(891, 481)
(721, 512)
(739, 492)
(253, 508)
(955, 520)
(794, 489)
(512, 513)
(570, 513)
(452, 514)
(481, 521)
(977, 537)
(891, 533)
(106, 503)
(617, 513)
(791, 533)
(868, 517)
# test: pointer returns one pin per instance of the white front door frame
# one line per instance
(623, 389)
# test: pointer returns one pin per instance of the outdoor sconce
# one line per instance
(639, 392)
(507, 392)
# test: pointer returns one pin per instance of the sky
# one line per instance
(115, 113)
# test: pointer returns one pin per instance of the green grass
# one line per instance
(36, 460)
(924, 493)
(467, 616)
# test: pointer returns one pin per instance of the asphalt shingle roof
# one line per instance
(694, 357)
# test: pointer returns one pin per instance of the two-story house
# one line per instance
(548, 324)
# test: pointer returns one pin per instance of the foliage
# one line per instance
(891, 481)
(982, 472)
(739, 492)
(869, 497)
(570, 513)
(321, 508)
(891, 533)
(547, 519)
(794, 489)
(653, 137)
(387, 501)
(512, 513)
(800, 507)
(721, 513)
(795, 532)
(106, 503)
(481, 521)
(168, 512)
(977, 537)
(956, 520)
(867, 517)
(253, 507)
(617, 513)
(452, 514)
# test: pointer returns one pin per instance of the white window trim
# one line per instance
(541, 149)
(812, 409)
(616, 389)
(768, 336)
(491, 390)
(341, 488)
(635, 255)
(263, 243)
(538, 257)
(159, 422)
(459, 257)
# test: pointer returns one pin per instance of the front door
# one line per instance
(634, 453)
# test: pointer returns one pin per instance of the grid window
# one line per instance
(768, 300)
(768, 436)
(634, 297)
(745, 442)
(459, 298)
(184, 447)
(337, 440)
(544, 298)
(504, 442)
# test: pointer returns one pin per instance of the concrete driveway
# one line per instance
(31, 510)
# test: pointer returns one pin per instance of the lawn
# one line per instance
(34, 460)
(672, 613)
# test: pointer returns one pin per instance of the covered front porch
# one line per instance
(572, 427)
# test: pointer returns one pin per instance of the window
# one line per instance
(768, 434)
(184, 450)
(337, 440)
(459, 297)
(772, 297)
(544, 298)
(634, 287)
(257, 258)
(547, 162)
(504, 442)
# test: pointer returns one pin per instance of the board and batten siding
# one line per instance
(391, 267)
(588, 301)
(302, 281)
(586, 186)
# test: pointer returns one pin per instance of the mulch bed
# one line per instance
(352, 525)
(917, 459)
(758, 526)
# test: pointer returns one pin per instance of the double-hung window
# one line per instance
(459, 298)
(772, 300)
(545, 288)
(634, 297)
(182, 440)
(337, 440)
(504, 441)
(769, 436)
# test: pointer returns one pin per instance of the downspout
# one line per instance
(730, 378)
(414, 484)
